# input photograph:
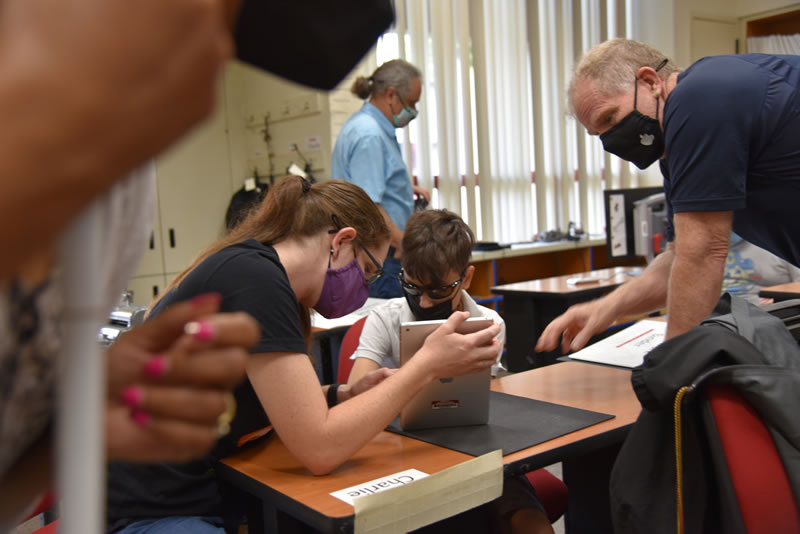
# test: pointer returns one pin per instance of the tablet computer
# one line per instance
(446, 402)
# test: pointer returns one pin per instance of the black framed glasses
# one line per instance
(435, 293)
(378, 273)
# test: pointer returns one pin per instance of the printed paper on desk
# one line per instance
(410, 506)
(626, 348)
(379, 484)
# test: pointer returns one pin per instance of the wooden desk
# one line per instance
(781, 292)
(529, 306)
(268, 472)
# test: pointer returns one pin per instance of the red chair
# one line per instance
(762, 489)
(46, 503)
(551, 491)
(349, 346)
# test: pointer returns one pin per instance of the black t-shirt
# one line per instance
(732, 134)
(250, 278)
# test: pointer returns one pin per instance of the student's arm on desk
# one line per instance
(289, 391)
(374, 348)
(645, 293)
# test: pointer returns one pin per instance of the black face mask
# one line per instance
(442, 310)
(312, 42)
(636, 138)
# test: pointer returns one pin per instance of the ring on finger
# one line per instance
(226, 417)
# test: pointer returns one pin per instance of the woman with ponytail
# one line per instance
(307, 246)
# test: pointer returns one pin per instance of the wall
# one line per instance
(654, 24)
(297, 115)
(720, 9)
(746, 8)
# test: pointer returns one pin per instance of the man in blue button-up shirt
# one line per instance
(367, 154)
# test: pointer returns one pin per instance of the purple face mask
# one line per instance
(344, 291)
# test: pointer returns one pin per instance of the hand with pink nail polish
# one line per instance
(168, 380)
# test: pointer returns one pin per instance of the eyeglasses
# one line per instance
(377, 274)
(437, 293)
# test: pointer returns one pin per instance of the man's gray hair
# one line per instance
(395, 73)
(612, 66)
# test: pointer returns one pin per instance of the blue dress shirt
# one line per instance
(368, 155)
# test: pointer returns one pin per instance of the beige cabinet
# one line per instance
(193, 191)
(145, 288)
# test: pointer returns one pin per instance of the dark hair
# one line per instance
(395, 73)
(435, 243)
(295, 208)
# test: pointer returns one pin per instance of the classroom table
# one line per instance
(781, 292)
(288, 492)
(529, 306)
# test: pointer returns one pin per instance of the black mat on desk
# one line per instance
(515, 423)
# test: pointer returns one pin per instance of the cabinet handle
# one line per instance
(152, 240)
(155, 291)
(172, 238)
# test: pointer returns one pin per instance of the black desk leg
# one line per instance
(521, 333)
(326, 358)
(525, 320)
(587, 477)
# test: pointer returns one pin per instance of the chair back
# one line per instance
(762, 489)
(551, 491)
(349, 346)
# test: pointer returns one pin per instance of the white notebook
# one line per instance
(627, 347)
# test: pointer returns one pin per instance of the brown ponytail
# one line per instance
(295, 208)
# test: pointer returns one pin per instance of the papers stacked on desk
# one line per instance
(626, 348)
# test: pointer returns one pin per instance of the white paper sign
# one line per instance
(313, 142)
(379, 484)
(627, 347)
(444, 494)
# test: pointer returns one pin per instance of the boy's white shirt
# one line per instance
(380, 338)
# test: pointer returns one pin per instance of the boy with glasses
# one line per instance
(435, 276)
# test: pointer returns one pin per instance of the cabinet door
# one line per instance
(194, 189)
(713, 37)
(145, 288)
(152, 261)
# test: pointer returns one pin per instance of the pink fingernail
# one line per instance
(201, 330)
(132, 396)
(141, 418)
(204, 300)
(157, 366)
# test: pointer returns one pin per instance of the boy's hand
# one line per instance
(366, 382)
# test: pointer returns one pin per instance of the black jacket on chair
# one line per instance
(748, 349)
